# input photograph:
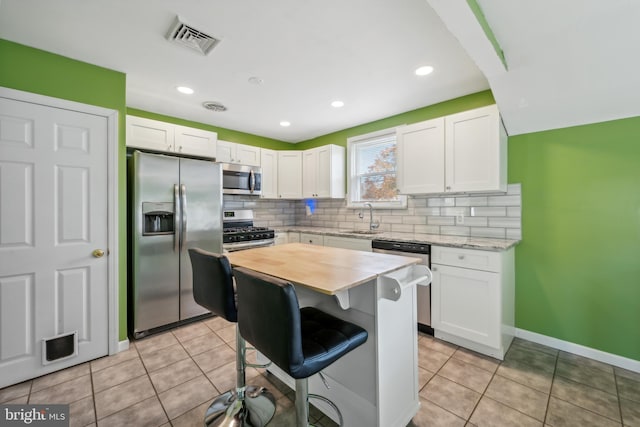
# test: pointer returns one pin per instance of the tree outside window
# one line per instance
(373, 171)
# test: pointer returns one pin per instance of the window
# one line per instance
(372, 170)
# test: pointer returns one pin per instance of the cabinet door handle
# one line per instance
(448, 187)
(460, 256)
(434, 268)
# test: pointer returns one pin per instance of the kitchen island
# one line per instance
(377, 383)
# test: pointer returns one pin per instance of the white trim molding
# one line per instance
(123, 345)
(580, 350)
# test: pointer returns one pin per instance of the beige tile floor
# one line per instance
(169, 380)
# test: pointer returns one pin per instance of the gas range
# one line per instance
(239, 232)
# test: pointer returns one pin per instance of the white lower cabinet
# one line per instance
(281, 238)
(293, 237)
(348, 243)
(472, 298)
(312, 239)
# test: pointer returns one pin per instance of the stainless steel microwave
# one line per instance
(241, 179)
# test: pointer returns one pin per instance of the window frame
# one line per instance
(352, 182)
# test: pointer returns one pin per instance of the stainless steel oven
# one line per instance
(416, 250)
(239, 233)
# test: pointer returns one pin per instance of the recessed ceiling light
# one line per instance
(423, 71)
(285, 124)
(337, 104)
(185, 90)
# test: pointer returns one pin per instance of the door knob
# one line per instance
(98, 253)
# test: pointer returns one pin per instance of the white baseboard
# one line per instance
(123, 345)
(591, 353)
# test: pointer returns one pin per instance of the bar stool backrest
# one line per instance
(213, 283)
(269, 318)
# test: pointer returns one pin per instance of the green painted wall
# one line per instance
(456, 105)
(37, 71)
(578, 265)
(224, 134)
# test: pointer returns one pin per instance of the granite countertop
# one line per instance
(487, 244)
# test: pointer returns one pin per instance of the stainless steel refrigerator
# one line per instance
(176, 205)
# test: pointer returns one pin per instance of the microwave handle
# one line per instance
(252, 181)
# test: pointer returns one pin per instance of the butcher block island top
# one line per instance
(324, 269)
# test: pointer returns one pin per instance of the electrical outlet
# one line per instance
(460, 219)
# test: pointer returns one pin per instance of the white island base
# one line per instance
(377, 383)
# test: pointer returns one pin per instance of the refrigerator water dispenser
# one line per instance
(158, 218)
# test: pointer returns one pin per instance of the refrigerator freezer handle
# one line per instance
(176, 218)
(183, 234)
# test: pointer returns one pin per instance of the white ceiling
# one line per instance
(569, 62)
(309, 53)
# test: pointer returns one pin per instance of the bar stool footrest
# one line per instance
(330, 403)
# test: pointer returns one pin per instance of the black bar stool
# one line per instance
(213, 289)
(302, 342)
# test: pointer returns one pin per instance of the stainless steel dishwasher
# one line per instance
(416, 250)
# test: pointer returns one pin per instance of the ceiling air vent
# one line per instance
(214, 106)
(185, 35)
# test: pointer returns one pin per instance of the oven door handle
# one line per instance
(232, 247)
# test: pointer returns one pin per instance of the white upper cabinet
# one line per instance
(475, 151)
(324, 172)
(420, 157)
(150, 134)
(169, 138)
(290, 174)
(269, 164)
(464, 152)
(196, 142)
(231, 152)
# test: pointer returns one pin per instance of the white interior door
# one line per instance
(53, 223)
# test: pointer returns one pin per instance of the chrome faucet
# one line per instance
(372, 225)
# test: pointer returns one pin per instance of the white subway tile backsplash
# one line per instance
(427, 211)
(489, 211)
(402, 228)
(441, 201)
(504, 200)
(514, 233)
(474, 221)
(472, 201)
(414, 202)
(427, 229)
(391, 219)
(455, 211)
(513, 189)
(504, 222)
(440, 220)
(455, 231)
(514, 211)
(484, 215)
(414, 219)
(497, 233)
